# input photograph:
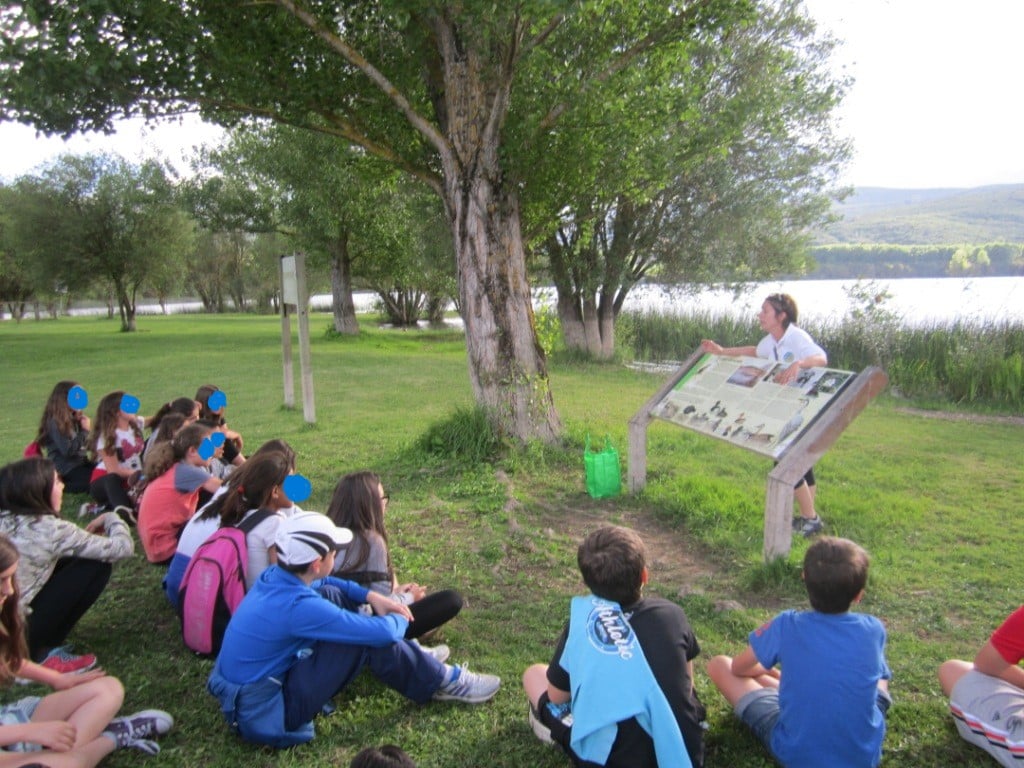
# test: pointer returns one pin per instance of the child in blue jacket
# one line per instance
(297, 639)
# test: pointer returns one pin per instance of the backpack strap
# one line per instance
(254, 519)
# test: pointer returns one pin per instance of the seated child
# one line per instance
(63, 568)
(117, 448)
(619, 689)
(170, 498)
(258, 477)
(64, 434)
(828, 705)
(297, 639)
(76, 725)
(986, 698)
(386, 756)
(359, 504)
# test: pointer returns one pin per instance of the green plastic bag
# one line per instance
(604, 478)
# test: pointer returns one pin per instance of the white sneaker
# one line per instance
(469, 687)
(540, 730)
(440, 652)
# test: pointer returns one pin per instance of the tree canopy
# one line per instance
(493, 105)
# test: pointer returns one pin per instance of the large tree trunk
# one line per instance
(507, 368)
(506, 363)
(344, 306)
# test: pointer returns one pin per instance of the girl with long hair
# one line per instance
(117, 448)
(208, 519)
(64, 568)
(179, 471)
(181, 411)
(64, 435)
(74, 727)
(359, 503)
(233, 441)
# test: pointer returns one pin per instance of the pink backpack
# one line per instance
(214, 585)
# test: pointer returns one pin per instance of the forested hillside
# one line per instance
(923, 233)
(929, 216)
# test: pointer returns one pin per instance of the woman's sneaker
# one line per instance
(62, 660)
(138, 730)
(469, 687)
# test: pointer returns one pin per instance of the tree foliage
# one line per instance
(97, 220)
(731, 185)
(477, 99)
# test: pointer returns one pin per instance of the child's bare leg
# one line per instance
(535, 682)
(950, 672)
(732, 686)
(89, 707)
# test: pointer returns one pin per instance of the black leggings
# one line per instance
(75, 585)
(432, 611)
(78, 479)
(109, 489)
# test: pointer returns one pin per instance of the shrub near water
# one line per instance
(960, 363)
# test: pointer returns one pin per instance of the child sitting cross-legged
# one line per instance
(828, 705)
(75, 726)
(298, 638)
(619, 689)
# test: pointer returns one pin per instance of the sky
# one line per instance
(935, 103)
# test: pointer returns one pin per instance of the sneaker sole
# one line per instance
(477, 699)
(540, 730)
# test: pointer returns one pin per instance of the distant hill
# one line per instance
(929, 216)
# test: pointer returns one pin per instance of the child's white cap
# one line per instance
(305, 536)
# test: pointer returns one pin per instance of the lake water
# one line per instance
(916, 300)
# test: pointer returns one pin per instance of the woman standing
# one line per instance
(785, 343)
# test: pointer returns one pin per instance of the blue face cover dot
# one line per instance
(217, 438)
(216, 401)
(78, 398)
(297, 488)
(206, 449)
(130, 403)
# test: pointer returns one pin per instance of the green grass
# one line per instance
(935, 502)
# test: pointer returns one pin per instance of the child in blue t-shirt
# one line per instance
(829, 707)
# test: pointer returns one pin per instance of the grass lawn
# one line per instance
(934, 501)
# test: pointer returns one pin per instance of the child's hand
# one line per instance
(71, 679)
(413, 589)
(382, 605)
(57, 735)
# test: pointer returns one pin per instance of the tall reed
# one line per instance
(977, 363)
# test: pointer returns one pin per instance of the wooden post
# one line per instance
(286, 339)
(293, 294)
(305, 359)
(802, 454)
(637, 470)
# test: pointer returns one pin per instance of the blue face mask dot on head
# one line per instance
(206, 449)
(78, 398)
(217, 401)
(297, 488)
(129, 403)
(217, 438)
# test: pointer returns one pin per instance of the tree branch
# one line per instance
(353, 57)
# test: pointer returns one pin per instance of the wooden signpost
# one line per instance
(295, 299)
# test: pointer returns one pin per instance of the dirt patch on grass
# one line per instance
(674, 563)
